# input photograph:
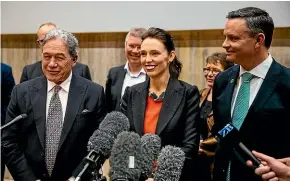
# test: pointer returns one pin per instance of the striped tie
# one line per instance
(241, 106)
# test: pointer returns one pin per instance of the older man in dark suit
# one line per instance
(7, 84)
(34, 70)
(254, 95)
(52, 141)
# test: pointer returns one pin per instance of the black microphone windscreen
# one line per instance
(103, 138)
(125, 159)
(169, 164)
(151, 146)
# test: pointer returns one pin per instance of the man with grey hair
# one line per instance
(126, 75)
(34, 70)
(253, 96)
(63, 110)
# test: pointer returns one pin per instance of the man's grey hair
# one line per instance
(69, 38)
(136, 32)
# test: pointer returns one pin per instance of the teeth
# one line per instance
(150, 67)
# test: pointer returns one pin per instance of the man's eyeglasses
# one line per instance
(40, 42)
(213, 71)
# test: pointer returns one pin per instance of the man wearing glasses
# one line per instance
(34, 70)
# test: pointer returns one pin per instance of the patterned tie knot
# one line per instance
(57, 88)
(247, 77)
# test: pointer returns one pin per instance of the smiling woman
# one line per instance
(215, 64)
(164, 105)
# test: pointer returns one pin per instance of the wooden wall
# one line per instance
(101, 51)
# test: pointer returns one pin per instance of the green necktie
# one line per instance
(241, 106)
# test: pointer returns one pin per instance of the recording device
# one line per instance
(169, 164)
(22, 116)
(150, 147)
(229, 137)
(101, 142)
(126, 158)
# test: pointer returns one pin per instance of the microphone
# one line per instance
(102, 140)
(229, 137)
(169, 164)
(125, 159)
(22, 116)
(150, 147)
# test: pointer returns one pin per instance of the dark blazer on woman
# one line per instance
(178, 119)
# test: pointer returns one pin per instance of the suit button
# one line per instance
(41, 154)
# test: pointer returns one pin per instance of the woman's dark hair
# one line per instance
(219, 58)
(175, 66)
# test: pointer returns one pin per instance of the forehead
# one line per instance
(134, 40)
(55, 46)
(216, 65)
(236, 26)
(152, 43)
(44, 29)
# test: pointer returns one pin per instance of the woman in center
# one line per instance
(164, 105)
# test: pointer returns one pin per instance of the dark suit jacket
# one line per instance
(114, 84)
(23, 143)
(266, 126)
(7, 84)
(178, 118)
(35, 70)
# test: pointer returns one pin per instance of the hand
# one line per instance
(149, 179)
(272, 169)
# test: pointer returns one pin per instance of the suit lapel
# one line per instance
(173, 97)
(266, 89)
(38, 95)
(120, 80)
(75, 97)
(139, 107)
(226, 96)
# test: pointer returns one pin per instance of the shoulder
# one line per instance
(5, 67)
(117, 69)
(92, 86)
(188, 87)
(80, 65)
(33, 66)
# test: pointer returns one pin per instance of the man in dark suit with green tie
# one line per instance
(254, 96)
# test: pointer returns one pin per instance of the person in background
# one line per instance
(215, 64)
(125, 75)
(164, 105)
(253, 95)
(51, 142)
(7, 84)
(34, 70)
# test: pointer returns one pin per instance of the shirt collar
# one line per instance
(64, 85)
(260, 70)
(142, 71)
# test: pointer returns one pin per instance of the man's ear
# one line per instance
(260, 40)
(75, 59)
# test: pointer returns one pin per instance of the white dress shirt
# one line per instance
(259, 73)
(63, 94)
(132, 79)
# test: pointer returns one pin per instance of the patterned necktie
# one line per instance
(53, 129)
(241, 106)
